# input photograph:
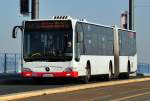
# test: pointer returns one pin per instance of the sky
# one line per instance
(106, 12)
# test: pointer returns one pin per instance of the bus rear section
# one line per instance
(128, 52)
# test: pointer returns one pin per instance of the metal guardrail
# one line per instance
(10, 62)
(143, 68)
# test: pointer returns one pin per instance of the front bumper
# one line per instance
(72, 74)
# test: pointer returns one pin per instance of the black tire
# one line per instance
(109, 75)
(87, 77)
(123, 76)
(127, 76)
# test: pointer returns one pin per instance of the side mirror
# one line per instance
(15, 30)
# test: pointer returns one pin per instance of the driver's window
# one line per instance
(78, 41)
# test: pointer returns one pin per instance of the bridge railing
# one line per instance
(143, 68)
(10, 62)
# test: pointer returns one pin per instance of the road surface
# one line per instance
(18, 84)
(125, 92)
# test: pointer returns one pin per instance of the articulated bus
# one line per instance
(64, 47)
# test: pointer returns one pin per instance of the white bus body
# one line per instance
(95, 47)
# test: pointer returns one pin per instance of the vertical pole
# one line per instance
(15, 64)
(35, 9)
(148, 68)
(131, 14)
(5, 63)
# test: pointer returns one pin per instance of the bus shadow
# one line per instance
(47, 81)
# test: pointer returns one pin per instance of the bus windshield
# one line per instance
(48, 41)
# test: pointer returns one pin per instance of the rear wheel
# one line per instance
(128, 71)
(125, 75)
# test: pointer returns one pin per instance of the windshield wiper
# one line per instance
(59, 58)
(29, 59)
(49, 58)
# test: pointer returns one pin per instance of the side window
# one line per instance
(78, 31)
(105, 40)
(91, 39)
(127, 43)
(132, 43)
(123, 43)
(109, 41)
(97, 40)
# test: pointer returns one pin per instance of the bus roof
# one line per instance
(77, 20)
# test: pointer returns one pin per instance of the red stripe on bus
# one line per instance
(73, 74)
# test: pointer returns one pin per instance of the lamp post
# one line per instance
(35, 9)
(131, 14)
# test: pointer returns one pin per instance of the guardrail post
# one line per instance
(148, 68)
(15, 64)
(5, 63)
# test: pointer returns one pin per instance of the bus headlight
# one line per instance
(68, 69)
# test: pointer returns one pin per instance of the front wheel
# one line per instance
(110, 73)
(86, 78)
(108, 77)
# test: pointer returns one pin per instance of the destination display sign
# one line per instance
(47, 25)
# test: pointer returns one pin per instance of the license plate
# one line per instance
(48, 75)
